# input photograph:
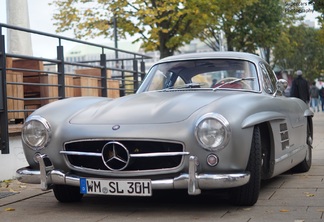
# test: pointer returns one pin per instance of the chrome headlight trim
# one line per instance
(212, 131)
(36, 132)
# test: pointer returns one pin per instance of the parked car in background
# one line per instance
(202, 121)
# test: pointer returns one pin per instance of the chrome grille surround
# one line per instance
(107, 157)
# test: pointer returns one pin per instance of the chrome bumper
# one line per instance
(48, 176)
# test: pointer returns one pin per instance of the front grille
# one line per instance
(143, 155)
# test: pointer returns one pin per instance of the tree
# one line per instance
(163, 25)
(247, 25)
(299, 48)
(259, 26)
(228, 21)
(222, 21)
(318, 6)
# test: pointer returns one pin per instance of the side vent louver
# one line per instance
(284, 136)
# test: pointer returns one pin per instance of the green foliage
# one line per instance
(163, 25)
(247, 24)
(259, 25)
(222, 19)
(166, 25)
(298, 48)
(319, 7)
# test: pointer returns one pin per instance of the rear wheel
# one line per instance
(248, 194)
(67, 194)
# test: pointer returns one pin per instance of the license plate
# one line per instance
(116, 187)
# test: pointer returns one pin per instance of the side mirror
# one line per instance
(282, 85)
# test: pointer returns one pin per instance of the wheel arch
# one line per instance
(263, 120)
(310, 124)
(268, 151)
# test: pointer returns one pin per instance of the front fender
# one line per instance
(261, 117)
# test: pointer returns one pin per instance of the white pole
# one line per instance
(17, 15)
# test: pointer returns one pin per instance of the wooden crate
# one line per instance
(30, 64)
(94, 82)
(92, 72)
(113, 90)
(14, 91)
(17, 92)
(85, 82)
(69, 91)
(52, 91)
(8, 62)
(37, 76)
(30, 107)
(30, 77)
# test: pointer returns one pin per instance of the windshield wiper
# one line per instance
(185, 86)
(234, 81)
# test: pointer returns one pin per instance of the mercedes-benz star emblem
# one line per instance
(115, 156)
(116, 127)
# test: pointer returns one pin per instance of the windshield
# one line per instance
(213, 74)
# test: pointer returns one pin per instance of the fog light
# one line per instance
(212, 160)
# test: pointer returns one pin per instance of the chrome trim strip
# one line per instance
(289, 154)
(282, 141)
(160, 154)
(77, 153)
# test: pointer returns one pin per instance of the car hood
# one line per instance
(145, 108)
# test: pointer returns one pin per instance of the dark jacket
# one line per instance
(314, 92)
(321, 93)
(300, 89)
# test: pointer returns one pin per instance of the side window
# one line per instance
(272, 75)
(268, 78)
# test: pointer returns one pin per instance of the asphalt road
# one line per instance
(288, 197)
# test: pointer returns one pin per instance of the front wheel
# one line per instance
(248, 194)
(67, 194)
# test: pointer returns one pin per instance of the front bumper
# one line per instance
(47, 176)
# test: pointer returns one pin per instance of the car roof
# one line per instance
(213, 55)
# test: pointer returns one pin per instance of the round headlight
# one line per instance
(212, 131)
(36, 132)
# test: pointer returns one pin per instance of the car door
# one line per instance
(288, 133)
(290, 107)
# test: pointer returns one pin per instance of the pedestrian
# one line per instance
(300, 88)
(314, 94)
(321, 94)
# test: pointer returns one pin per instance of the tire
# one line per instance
(248, 194)
(67, 194)
(306, 164)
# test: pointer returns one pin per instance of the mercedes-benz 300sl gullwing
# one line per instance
(198, 122)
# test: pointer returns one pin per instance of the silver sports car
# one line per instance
(205, 121)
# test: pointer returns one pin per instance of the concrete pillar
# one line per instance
(17, 15)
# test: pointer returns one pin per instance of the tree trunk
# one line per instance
(164, 50)
(229, 40)
(267, 56)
